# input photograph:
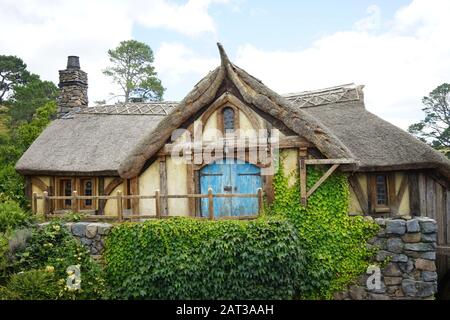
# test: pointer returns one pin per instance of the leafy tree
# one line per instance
(13, 72)
(27, 98)
(434, 129)
(132, 69)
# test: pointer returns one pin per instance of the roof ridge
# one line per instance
(336, 94)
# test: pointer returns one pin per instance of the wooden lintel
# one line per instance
(283, 143)
(322, 179)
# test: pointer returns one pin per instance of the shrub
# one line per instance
(31, 285)
(53, 245)
(334, 241)
(182, 258)
(12, 216)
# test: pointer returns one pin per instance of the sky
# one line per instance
(398, 49)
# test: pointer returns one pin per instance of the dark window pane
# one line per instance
(88, 192)
(381, 187)
(67, 191)
(228, 118)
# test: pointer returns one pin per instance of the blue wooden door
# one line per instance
(230, 176)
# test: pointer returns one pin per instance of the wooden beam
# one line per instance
(414, 194)
(134, 190)
(28, 188)
(391, 193)
(112, 185)
(302, 153)
(357, 189)
(101, 192)
(322, 179)
(190, 187)
(157, 204)
(210, 204)
(39, 183)
(163, 185)
(401, 191)
(330, 161)
(119, 205)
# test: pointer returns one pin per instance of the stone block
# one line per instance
(425, 265)
(412, 226)
(396, 226)
(429, 276)
(391, 281)
(392, 270)
(420, 246)
(91, 230)
(412, 237)
(429, 237)
(394, 245)
(357, 293)
(418, 289)
(79, 229)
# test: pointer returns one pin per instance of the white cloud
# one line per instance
(398, 65)
(175, 61)
(43, 33)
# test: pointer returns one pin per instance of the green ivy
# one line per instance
(183, 258)
(335, 242)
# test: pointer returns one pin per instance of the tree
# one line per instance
(132, 69)
(25, 100)
(13, 72)
(434, 129)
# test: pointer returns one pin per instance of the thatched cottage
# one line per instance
(130, 147)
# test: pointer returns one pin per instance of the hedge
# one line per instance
(183, 258)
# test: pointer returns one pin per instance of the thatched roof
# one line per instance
(93, 143)
(119, 139)
(377, 144)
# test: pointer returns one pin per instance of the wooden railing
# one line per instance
(119, 197)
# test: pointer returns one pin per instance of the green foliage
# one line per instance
(53, 246)
(334, 241)
(132, 68)
(434, 129)
(12, 184)
(26, 99)
(13, 72)
(182, 258)
(31, 285)
(12, 216)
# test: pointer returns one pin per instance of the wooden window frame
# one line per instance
(76, 185)
(81, 192)
(220, 118)
(372, 192)
(60, 204)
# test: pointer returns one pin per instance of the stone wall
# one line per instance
(91, 234)
(406, 256)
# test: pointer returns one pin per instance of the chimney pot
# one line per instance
(73, 62)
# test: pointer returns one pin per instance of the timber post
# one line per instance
(46, 205)
(260, 202)
(210, 204)
(302, 153)
(34, 203)
(75, 201)
(158, 204)
(119, 205)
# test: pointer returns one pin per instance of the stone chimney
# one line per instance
(73, 86)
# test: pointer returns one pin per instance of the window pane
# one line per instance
(67, 191)
(228, 118)
(87, 192)
(381, 190)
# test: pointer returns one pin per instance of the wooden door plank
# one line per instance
(431, 192)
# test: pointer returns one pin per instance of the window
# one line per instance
(65, 189)
(381, 191)
(87, 187)
(228, 119)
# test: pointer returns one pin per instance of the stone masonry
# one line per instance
(73, 84)
(406, 256)
(405, 253)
